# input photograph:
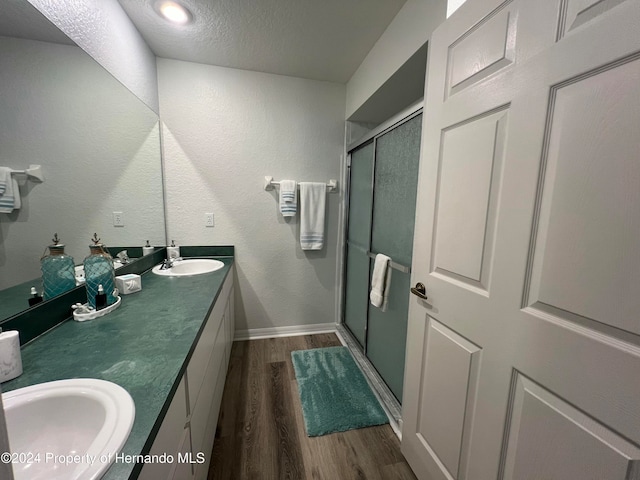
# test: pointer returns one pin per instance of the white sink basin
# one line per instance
(190, 266)
(57, 420)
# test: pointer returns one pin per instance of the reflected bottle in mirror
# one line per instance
(98, 270)
(35, 298)
(58, 270)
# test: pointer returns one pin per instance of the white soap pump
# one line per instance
(173, 251)
(147, 249)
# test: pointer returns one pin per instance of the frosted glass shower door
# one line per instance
(358, 238)
(395, 187)
(382, 203)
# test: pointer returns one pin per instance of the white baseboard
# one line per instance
(292, 331)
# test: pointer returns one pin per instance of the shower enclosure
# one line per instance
(383, 173)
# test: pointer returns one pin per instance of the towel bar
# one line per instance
(34, 172)
(269, 184)
(392, 264)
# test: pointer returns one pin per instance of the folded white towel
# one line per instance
(5, 177)
(10, 199)
(288, 198)
(17, 203)
(380, 282)
(312, 206)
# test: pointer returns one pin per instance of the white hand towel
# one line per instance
(380, 282)
(5, 177)
(312, 206)
(288, 198)
(17, 203)
(10, 199)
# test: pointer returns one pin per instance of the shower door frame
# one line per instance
(380, 388)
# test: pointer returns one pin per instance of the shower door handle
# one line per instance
(419, 291)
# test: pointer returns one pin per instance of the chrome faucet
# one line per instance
(123, 257)
(168, 263)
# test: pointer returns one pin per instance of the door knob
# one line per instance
(419, 290)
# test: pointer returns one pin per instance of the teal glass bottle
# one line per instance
(58, 270)
(98, 270)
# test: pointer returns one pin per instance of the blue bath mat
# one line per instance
(334, 394)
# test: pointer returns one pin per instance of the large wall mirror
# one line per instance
(97, 143)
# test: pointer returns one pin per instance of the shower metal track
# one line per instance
(380, 388)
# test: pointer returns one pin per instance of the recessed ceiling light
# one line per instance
(173, 11)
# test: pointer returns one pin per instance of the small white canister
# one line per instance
(10, 356)
(129, 283)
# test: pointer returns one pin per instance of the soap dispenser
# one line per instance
(173, 251)
(147, 249)
(58, 270)
(98, 270)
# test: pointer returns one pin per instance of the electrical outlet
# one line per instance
(118, 219)
(208, 219)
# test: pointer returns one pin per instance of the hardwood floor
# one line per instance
(261, 434)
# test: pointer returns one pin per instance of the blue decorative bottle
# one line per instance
(98, 270)
(58, 270)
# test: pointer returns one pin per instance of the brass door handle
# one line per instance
(419, 290)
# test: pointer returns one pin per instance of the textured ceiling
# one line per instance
(316, 39)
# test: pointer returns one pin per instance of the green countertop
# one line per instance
(143, 346)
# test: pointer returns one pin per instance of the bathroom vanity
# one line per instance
(168, 346)
(188, 429)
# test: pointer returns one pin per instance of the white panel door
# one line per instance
(524, 361)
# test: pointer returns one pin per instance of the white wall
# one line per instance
(408, 31)
(104, 31)
(99, 149)
(223, 131)
(453, 5)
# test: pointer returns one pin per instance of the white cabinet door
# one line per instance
(203, 407)
(183, 470)
(168, 439)
(206, 406)
(202, 469)
(202, 354)
(524, 361)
